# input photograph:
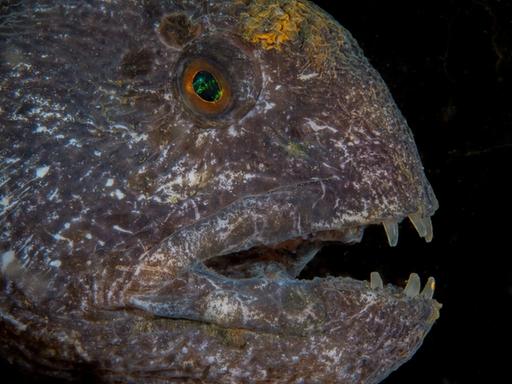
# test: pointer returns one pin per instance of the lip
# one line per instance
(293, 307)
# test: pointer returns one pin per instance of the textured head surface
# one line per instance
(117, 182)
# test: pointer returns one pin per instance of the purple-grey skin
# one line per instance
(147, 240)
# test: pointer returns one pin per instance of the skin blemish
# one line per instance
(7, 258)
(74, 143)
(42, 171)
(120, 195)
(55, 263)
(232, 131)
(319, 127)
(268, 106)
(53, 194)
(296, 149)
(308, 76)
(5, 201)
(59, 237)
(41, 129)
(122, 230)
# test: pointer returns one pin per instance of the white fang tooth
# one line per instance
(391, 228)
(428, 291)
(430, 230)
(420, 223)
(376, 281)
(412, 289)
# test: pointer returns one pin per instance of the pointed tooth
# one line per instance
(376, 281)
(391, 228)
(428, 291)
(430, 230)
(412, 289)
(420, 223)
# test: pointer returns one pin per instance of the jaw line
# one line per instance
(272, 217)
(263, 306)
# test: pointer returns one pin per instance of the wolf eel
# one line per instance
(168, 168)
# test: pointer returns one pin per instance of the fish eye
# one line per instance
(216, 81)
(205, 88)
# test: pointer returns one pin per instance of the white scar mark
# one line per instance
(322, 185)
(196, 210)
(120, 195)
(7, 259)
(13, 321)
(55, 263)
(42, 171)
(5, 182)
(317, 127)
(7, 203)
(122, 230)
(307, 76)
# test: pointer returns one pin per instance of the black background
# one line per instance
(447, 63)
(448, 66)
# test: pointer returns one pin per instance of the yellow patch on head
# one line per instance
(271, 23)
(274, 23)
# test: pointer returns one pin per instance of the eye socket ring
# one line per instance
(189, 86)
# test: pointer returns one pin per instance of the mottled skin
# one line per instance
(114, 191)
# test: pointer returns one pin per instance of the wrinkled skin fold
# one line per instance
(152, 236)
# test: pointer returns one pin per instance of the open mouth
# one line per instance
(336, 253)
(263, 264)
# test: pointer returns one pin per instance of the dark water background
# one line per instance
(448, 65)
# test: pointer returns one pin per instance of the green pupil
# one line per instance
(206, 87)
